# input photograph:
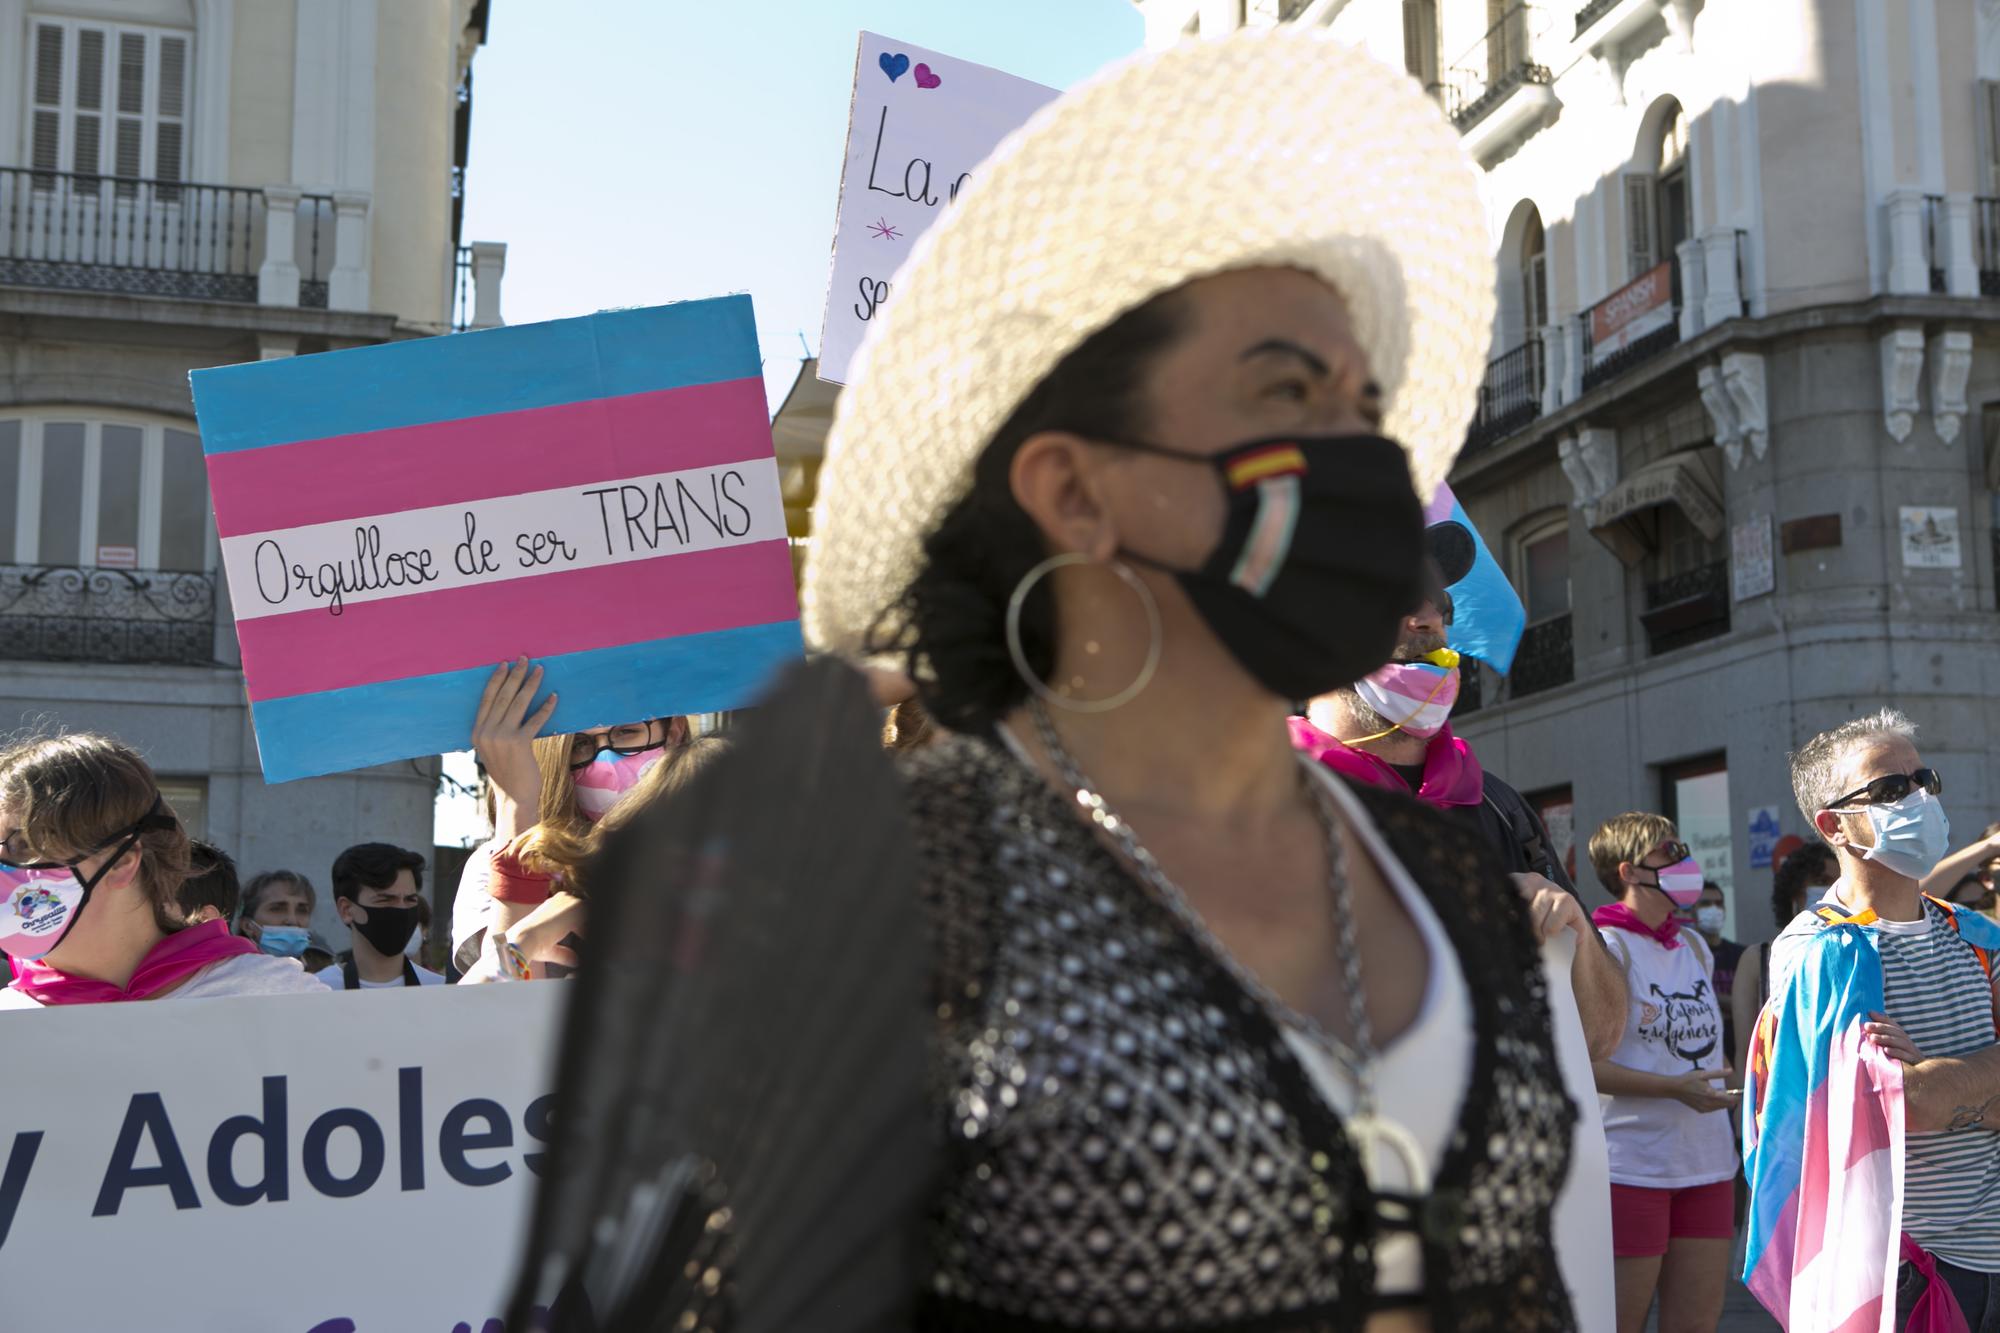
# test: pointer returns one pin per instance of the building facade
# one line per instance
(1739, 442)
(190, 183)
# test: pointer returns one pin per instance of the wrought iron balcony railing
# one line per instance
(1511, 394)
(1591, 12)
(1633, 325)
(1501, 62)
(1687, 608)
(1469, 700)
(1545, 660)
(151, 237)
(62, 613)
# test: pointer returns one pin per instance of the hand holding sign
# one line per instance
(503, 733)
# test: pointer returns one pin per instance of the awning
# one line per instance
(1625, 519)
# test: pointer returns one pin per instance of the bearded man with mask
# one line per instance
(1877, 969)
(376, 889)
(1392, 730)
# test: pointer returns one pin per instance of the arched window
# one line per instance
(1534, 277)
(1659, 212)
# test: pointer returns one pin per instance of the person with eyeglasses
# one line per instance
(1673, 1157)
(1883, 1003)
(1978, 860)
(92, 860)
(563, 783)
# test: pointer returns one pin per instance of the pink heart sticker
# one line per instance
(926, 79)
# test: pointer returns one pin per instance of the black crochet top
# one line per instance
(1131, 1143)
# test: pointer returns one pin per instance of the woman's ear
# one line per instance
(1055, 480)
(124, 872)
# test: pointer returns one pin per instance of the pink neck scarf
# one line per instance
(1620, 917)
(1452, 776)
(171, 961)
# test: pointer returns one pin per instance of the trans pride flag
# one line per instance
(1823, 1139)
(1488, 617)
(599, 494)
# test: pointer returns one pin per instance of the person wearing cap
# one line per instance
(1131, 462)
(1392, 730)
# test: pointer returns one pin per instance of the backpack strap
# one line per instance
(1984, 956)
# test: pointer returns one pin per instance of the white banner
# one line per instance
(349, 1163)
(333, 565)
(919, 123)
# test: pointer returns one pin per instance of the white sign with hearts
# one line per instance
(919, 124)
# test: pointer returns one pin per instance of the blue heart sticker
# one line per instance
(895, 66)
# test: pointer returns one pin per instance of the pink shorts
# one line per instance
(1644, 1220)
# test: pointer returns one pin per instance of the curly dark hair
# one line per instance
(1812, 863)
(951, 634)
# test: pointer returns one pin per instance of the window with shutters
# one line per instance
(1534, 276)
(103, 490)
(1988, 126)
(108, 101)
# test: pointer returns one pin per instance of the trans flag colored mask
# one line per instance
(609, 776)
(1415, 697)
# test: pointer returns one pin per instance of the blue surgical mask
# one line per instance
(283, 941)
(1910, 836)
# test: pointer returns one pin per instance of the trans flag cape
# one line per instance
(1823, 1138)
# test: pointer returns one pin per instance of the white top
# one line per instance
(334, 977)
(472, 906)
(239, 974)
(1421, 1080)
(1673, 1026)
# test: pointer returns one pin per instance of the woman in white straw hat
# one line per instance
(1130, 464)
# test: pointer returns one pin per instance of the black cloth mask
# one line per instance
(1321, 557)
(387, 929)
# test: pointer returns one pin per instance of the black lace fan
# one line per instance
(741, 1135)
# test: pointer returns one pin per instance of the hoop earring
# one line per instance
(1020, 655)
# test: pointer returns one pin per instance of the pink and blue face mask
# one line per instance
(1682, 879)
(605, 765)
(1415, 697)
(41, 901)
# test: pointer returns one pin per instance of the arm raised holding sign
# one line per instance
(503, 736)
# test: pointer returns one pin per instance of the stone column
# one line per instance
(1694, 287)
(489, 264)
(347, 284)
(1554, 368)
(1961, 267)
(1909, 266)
(278, 275)
(1724, 300)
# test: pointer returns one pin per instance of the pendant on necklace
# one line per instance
(1369, 1131)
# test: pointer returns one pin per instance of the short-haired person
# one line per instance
(1980, 859)
(1800, 881)
(210, 892)
(376, 889)
(91, 864)
(277, 913)
(1673, 1157)
(1711, 913)
(1879, 969)
(1415, 753)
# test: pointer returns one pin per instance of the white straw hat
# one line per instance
(1270, 147)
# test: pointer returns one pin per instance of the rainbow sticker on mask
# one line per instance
(39, 907)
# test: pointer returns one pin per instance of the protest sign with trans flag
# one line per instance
(599, 494)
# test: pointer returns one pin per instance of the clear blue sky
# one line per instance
(631, 152)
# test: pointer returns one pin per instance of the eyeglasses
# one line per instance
(1675, 852)
(624, 741)
(10, 859)
(1890, 788)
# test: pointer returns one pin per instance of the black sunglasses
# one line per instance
(588, 745)
(155, 819)
(1891, 788)
(1675, 852)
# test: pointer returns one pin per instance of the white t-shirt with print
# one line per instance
(1673, 1026)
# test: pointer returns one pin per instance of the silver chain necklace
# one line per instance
(1366, 1128)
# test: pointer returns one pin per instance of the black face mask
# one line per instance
(387, 929)
(1320, 559)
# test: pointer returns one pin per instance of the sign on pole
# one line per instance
(919, 123)
(346, 1163)
(598, 494)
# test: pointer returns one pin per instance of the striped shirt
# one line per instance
(1934, 986)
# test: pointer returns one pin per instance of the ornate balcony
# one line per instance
(158, 237)
(1545, 660)
(1500, 88)
(1687, 608)
(1511, 394)
(62, 613)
